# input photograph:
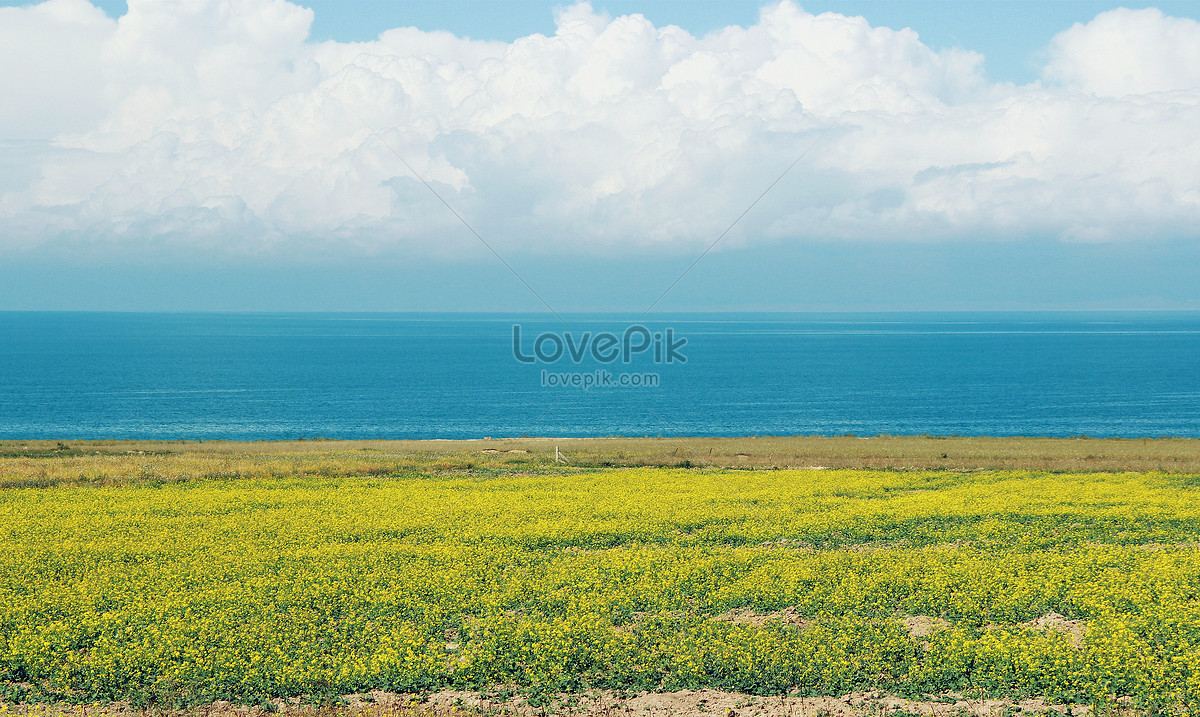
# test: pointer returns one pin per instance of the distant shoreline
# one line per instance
(796, 452)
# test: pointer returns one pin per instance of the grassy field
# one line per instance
(118, 462)
(177, 574)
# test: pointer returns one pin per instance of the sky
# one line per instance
(361, 155)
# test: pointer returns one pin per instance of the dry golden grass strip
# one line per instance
(49, 463)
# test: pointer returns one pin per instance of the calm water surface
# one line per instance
(279, 376)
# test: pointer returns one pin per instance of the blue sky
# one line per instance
(273, 156)
(1011, 34)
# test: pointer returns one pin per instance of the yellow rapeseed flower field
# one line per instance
(1079, 587)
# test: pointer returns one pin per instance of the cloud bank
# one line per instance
(216, 126)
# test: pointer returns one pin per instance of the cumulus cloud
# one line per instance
(51, 78)
(218, 125)
(1128, 52)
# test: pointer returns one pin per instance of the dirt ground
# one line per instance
(707, 703)
(686, 703)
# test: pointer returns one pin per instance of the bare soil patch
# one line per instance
(710, 703)
(1074, 629)
(748, 616)
(920, 626)
(685, 703)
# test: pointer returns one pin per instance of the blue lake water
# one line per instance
(284, 376)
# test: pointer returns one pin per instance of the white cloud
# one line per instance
(216, 124)
(50, 76)
(1128, 52)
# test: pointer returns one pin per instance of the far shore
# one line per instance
(794, 452)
